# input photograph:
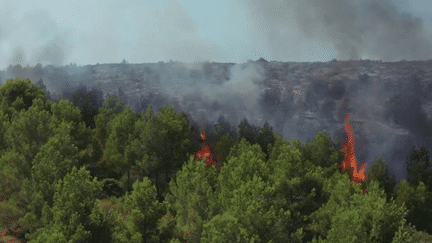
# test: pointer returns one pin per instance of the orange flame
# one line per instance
(205, 151)
(350, 160)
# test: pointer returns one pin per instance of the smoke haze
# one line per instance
(55, 34)
(370, 29)
(93, 32)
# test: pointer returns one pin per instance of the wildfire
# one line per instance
(350, 160)
(205, 151)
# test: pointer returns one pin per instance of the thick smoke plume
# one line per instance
(366, 29)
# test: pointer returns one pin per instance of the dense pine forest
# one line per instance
(73, 170)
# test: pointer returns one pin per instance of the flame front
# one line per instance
(350, 160)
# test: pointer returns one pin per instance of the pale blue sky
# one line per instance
(106, 31)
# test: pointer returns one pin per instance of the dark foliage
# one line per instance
(154, 98)
(418, 169)
(417, 164)
(379, 172)
(121, 94)
(248, 131)
(88, 102)
(111, 187)
(223, 126)
(266, 138)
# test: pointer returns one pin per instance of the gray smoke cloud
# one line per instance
(161, 31)
(367, 29)
(50, 44)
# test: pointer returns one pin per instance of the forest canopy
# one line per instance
(75, 170)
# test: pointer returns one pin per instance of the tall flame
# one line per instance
(205, 151)
(350, 160)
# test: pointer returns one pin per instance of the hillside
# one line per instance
(67, 172)
(297, 99)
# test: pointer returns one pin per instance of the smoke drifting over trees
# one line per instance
(354, 29)
(218, 96)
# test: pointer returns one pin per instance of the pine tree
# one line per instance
(379, 172)
(265, 138)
